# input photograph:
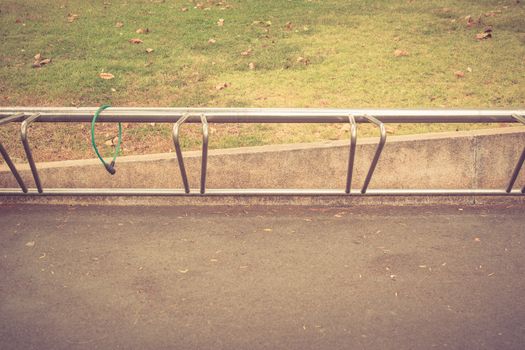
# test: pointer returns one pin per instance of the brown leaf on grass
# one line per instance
(459, 74)
(221, 86)
(106, 76)
(471, 22)
(400, 53)
(220, 22)
(40, 61)
(136, 41)
(247, 52)
(184, 9)
(288, 26)
(71, 17)
(212, 41)
(303, 60)
(149, 50)
(486, 34)
(251, 65)
(119, 25)
(142, 31)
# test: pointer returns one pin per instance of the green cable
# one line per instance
(109, 167)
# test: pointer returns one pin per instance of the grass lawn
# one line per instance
(279, 53)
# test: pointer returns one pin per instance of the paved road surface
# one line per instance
(303, 278)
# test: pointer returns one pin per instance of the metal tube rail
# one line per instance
(256, 192)
(521, 160)
(351, 156)
(271, 115)
(23, 135)
(5, 155)
(204, 163)
(178, 150)
(379, 149)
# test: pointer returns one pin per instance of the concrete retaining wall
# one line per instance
(474, 159)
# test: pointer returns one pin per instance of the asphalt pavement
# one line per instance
(88, 277)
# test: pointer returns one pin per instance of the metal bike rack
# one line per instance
(180, 159)
(519, 165)
(204, 116)
(5, 155)
(351, 156)
(27, 149)
(379, 149)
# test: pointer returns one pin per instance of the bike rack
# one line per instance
(27, 149)
(379, 149)
(178, 150)
(351, 156)
(519, 165)
(5, 155)
(179, 116)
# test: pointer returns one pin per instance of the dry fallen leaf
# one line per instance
(288, 25)
(30, 244)
(486, 34)
(212, 41)
(183, 271)
(108, 143)
(268, 230)
(149, 50)
(247, 52)
(71, 17)
(222, 86)
(135, 41)
(400, 53)
(251, 65)
(184, 9)
(482, 36)
(303, 60)
(106, 76)
(459, 74)
(220, 22)
(142, 31)
(39, 61)
(119, 24)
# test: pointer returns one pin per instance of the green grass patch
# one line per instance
(306, 54)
